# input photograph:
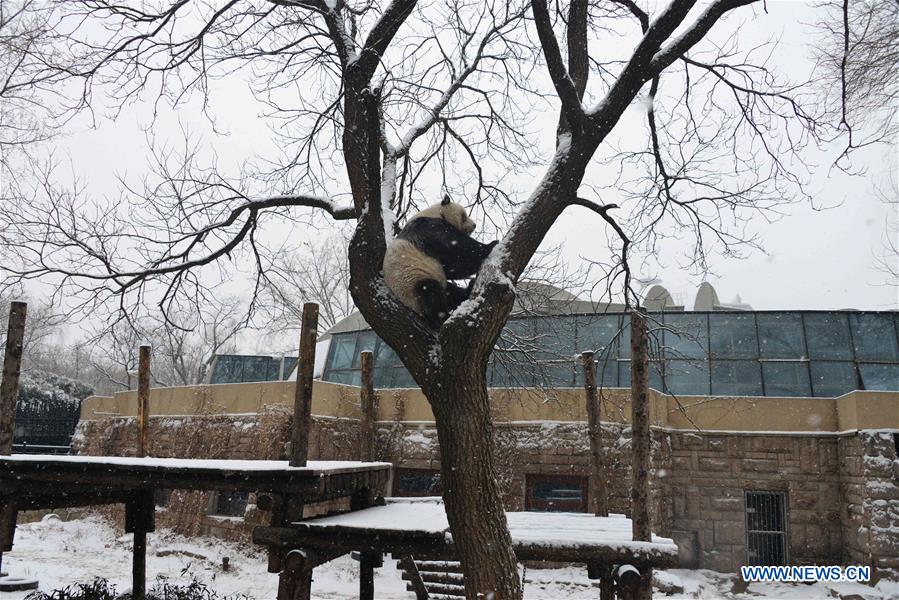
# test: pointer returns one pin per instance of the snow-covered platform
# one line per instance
(30, 477)
(421, 529)
(50, 481)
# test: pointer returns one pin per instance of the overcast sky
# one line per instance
(814, 259)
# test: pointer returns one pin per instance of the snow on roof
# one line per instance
(554, 529)
(317, 466)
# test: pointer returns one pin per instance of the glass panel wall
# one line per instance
(781, 335)
(827, 335)
(687, 377)
(879, 376)
(874, 337)
(686, 335)
(830, 379)
(736, 378)
(786, 378)
(733, 335)
(732, 353)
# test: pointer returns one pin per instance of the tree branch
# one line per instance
(379, 38)
(564, 84)
(664, 57)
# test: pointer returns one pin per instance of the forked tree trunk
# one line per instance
(470, 490)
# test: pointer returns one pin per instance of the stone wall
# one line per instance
(711, 474)
(870, 502)
(843, 502)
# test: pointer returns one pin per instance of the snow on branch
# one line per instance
(678, 47)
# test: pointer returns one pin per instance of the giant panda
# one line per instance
(434, 247)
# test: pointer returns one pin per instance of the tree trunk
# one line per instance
(470, 490)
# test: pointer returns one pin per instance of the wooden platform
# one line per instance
(421, 529)
(48, 481)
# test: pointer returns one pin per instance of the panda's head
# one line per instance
(452, 213)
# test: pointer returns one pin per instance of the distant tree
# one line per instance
(370, 98)
(318, 273)
(184, 350)
(859, 68)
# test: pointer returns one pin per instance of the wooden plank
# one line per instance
(12, 367)
(101, 477)
(410, 570)
(599, 483)
(640, 440)
(70, 500)
(367, 400)
(302, 404)
(329, 538)
(434, 546)
(143, 400)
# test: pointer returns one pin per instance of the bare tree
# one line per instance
(859, 68)
(318, 273)
(22, 27)
(114, 354)
(184, 353)
(43, 326)
(373, 99)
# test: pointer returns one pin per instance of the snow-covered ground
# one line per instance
(61, 553)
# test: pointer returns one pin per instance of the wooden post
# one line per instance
(295, 583)
(367, 563)
(640, 437)
(139, 566)
(12, 366)
(367, 400)
(9, 395)
(143, 400)
(599, 484)
(602, 572)
(139, 519)
(302, 404)
(295, 580)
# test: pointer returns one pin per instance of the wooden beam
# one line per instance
(143, 400)
(12, 367)
(599, 484)
(302, 404)
(407, 564)
(313, 485)
(367, 400)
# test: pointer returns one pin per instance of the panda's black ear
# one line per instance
(446, 200)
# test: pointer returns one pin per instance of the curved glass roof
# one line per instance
(782, 353)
